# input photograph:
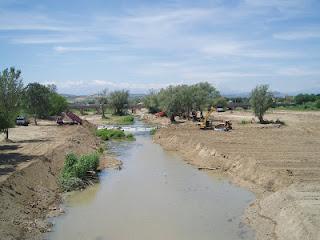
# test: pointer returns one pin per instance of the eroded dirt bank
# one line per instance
(280, 164)
(28, 175)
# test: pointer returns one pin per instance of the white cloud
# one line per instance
(49, 39)
(297, 35)
(61, 49)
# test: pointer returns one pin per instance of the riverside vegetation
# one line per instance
(76, 169)
(113, 134)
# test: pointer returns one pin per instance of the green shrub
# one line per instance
(126, 119)
(130, 137)
(107, 134)
(101, 150)
(153, 131)
(75, 170)
(70, 184)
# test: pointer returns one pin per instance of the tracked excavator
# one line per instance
(206, 123)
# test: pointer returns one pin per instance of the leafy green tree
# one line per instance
(103, 101)
(203, 95)
(220, 102)
(261, 101)
(58, 104)
(181, 99)
(37, 100)
(119, 101)
(11, 87)
(151, 102)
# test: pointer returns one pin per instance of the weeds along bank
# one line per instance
(30, 193)
(280, 164)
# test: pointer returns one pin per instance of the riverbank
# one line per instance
(280, 164)
(30, 165)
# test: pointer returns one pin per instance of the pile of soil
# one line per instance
(29, 166)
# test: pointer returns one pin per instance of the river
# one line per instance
(156, 196)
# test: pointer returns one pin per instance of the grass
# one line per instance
(243, 121)
(153, 131)
(113, 134)
(75, 170)
(309, 106)
(119, 120)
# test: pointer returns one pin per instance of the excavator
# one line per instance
(206, 123)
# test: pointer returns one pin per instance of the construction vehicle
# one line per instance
(206, 123)
(74, 118)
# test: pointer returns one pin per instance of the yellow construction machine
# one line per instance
(206, 123)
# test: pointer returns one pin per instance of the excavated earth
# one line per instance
(281, 164)
(29, 166)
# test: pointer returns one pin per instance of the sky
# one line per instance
(85, 46)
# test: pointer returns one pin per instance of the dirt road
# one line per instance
(281, 164)
(29, 167)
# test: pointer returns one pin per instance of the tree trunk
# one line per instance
(7, 134)
(102, 109)
(35, 120)
(172, 118)
(261, 119)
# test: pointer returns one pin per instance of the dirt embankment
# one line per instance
(280, 164)
(29, 167)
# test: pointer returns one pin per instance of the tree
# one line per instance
(103, 101)
(151, 102)
(11, 87)
(119, 101)
(58, 104)
(37, 100)
(220, 102)
(260, 100)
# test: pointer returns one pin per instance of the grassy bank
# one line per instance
(78, 171)
(113, 134)
(119, 120)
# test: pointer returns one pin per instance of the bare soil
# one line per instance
(281, 164)
(29, 166)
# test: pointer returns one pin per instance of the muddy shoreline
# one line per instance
(286, 187)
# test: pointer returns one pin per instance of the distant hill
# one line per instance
(90, 98)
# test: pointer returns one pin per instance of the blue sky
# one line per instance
(84, 46)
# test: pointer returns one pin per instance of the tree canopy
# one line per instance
(119, 101)
(182, 99)
(11, 87)
(37, 100)
(261, 101)
(103, 101)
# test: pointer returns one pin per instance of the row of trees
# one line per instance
(34, 99)
(182, 99)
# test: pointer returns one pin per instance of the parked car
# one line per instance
(22, 121)
(220, 109)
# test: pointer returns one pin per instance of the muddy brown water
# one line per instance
(155, 196)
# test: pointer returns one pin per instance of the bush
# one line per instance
(107, 134)
(126, 120)
(153, 131)
(75, 170)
